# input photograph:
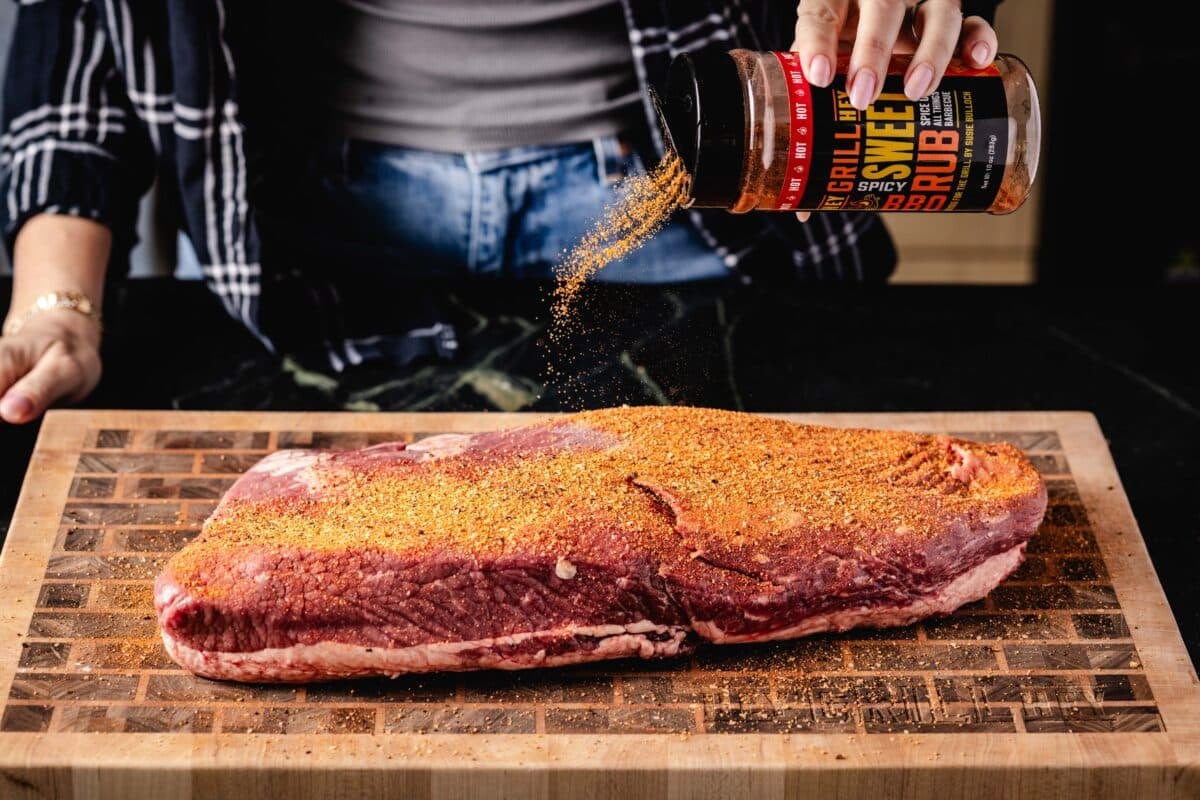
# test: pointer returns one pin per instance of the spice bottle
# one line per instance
(754, 134)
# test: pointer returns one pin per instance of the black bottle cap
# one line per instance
(705, 114)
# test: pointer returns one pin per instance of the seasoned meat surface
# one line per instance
(606, 534)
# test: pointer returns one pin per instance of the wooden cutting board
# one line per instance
(1070, 680)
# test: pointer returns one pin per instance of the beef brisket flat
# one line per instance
(606, 534)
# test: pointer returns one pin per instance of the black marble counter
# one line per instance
(1127, 355)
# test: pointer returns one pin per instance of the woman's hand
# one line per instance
(875, 29)
(55, 357)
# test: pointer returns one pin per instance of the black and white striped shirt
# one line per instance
(102, 95)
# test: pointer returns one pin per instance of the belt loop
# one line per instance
(601, 161)
(608, 159)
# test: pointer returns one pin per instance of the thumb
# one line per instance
(49, 378)
(15, 361)
(978, 43)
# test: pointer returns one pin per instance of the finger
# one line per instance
(939, 23)
(878, 28)
(979, 43)
(52, 378)
(14, 362)
(16, 409)
(803, 215)
(818, 23)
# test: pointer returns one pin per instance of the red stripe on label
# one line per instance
(799, 155)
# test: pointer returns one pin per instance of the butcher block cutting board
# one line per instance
(1070, 680)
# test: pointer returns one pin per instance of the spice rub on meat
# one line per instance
(605, 534)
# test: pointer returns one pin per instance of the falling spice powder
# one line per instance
(643, 206)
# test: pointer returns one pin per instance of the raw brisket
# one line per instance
(606, 534)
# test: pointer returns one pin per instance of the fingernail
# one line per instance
(819, 71)
(16, 407)
(862, 90)
(918, 83)
(982, 54)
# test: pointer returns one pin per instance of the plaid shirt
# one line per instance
(103, 95)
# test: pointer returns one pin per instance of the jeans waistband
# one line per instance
(610, 153)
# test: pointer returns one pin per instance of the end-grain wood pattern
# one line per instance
(1049, 651)
(1071, 675)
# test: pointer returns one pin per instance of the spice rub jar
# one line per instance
(754, 134)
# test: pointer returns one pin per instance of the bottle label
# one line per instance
(795, 179)
(945, 152)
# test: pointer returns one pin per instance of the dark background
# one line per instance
(1122, 167)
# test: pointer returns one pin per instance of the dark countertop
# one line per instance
(1127, 355)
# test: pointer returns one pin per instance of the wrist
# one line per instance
(64, 326)
(74, 309)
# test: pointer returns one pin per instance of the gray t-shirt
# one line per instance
(454, 75)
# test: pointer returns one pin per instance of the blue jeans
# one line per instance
(506, 213)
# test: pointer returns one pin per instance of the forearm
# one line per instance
(55, 253)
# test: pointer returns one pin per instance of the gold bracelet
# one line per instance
(70, 301)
